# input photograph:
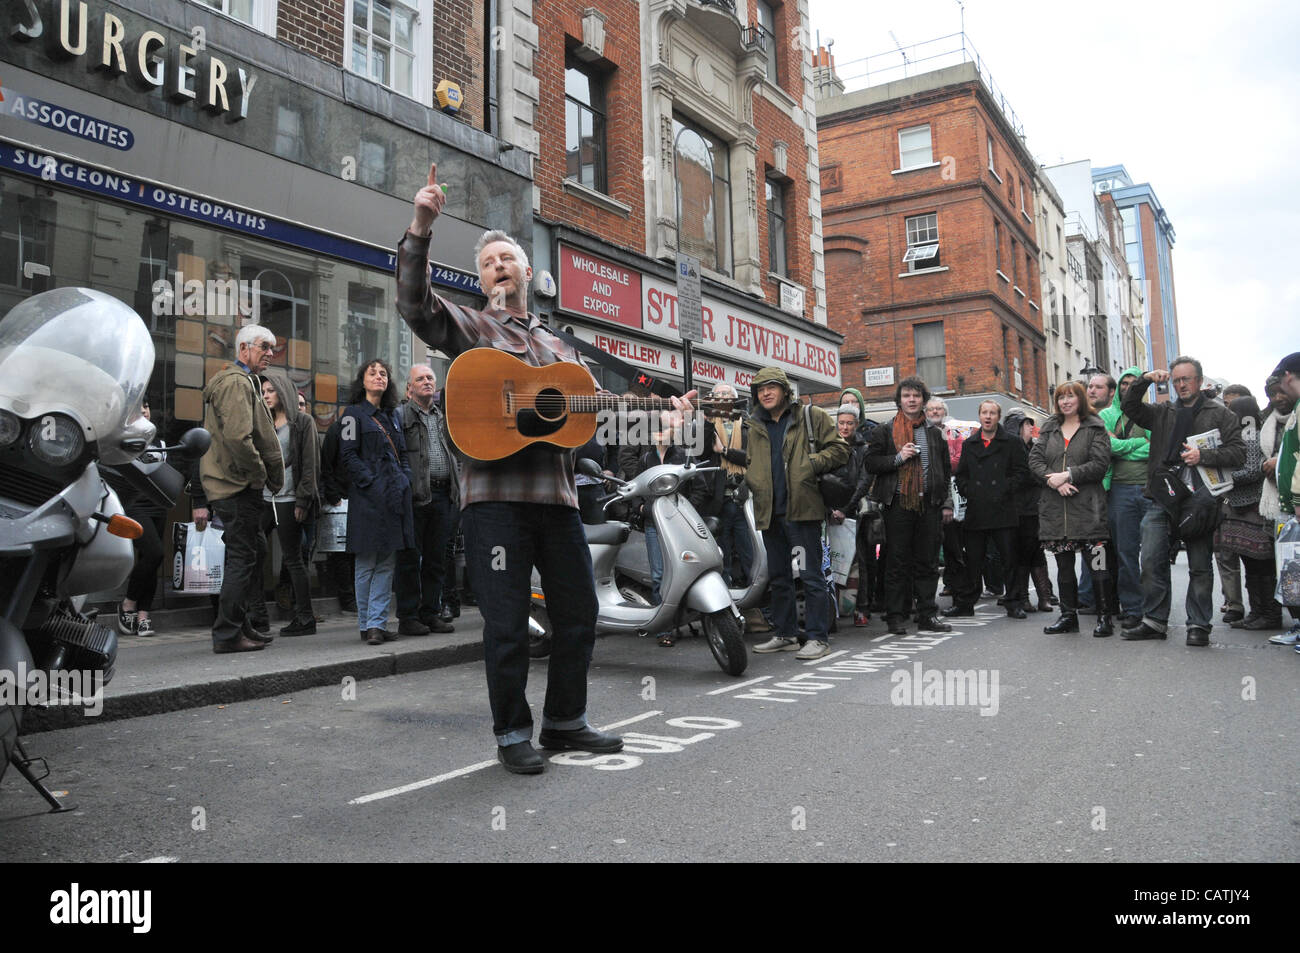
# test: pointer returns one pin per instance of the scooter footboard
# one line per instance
(709, 594)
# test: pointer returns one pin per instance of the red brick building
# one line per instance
(931, 251)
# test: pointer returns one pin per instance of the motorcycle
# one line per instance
(74, 365)
(692, 586)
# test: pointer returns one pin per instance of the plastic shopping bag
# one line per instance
(842, 538)
(1287, 549)
(332, 528)
(199, 560)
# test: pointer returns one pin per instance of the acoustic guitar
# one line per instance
(497, 405)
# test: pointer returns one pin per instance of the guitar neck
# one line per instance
(594, 403)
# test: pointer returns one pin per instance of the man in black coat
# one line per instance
(912, 475)
(992, 469)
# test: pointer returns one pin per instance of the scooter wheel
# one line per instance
(723, 631)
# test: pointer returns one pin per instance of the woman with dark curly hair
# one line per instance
(1072, 455)
(372, 453)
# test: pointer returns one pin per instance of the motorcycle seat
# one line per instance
(607, 533)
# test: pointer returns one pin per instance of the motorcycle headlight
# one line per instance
(10, 427)
(56, 440)
(663, 485)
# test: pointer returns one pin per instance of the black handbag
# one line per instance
(835, 491)
(1191, 514)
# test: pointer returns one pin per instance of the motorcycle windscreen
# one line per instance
(78, 352)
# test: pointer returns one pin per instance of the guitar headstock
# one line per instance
(721, 408)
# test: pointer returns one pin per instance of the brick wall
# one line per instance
(313, 26)
(621, 68)
(458, 52)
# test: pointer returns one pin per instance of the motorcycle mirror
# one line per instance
(193, 443)
(588, 467)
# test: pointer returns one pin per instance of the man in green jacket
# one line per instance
(1130, 446)
(244, 459)
(788, 509)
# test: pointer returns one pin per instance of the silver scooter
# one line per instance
(692, 584)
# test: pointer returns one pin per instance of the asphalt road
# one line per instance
(1078, 749)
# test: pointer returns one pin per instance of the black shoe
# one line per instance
(377, 636)
(521, 758)
(412, 627)
(240, 643)
(348, 606)
(438, 626)
(580, 739)
(1258, 624)
(1235, 615)
(958, 611)
(300, 627)
(1104, 627)
(1141, 634)
(1068, 622)
(1130, 621)
(932, 625)
(896, 626)
(1087, 610)
(1197, 636)
(253, 635)
(449, 613)
(259, 623)
(1016, 612)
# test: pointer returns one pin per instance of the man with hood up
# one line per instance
(788, 509)
(1130, 445)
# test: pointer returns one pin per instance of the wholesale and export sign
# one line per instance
(604, 290)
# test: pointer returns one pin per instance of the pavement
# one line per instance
(176, 669)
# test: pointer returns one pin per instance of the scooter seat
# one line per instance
(607, 533)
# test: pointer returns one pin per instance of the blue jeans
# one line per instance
(503, 542)
(1155, 574)
(374, 582)
(1127, 507)
(781, 539)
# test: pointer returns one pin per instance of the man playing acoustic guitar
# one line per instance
(518, 512)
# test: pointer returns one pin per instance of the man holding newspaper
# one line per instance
(1196, 443)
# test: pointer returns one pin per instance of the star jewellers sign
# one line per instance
(184, 71)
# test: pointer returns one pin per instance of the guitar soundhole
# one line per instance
(549, 404)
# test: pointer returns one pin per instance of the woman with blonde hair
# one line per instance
(1072, 456)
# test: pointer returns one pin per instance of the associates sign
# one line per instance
(607, 291)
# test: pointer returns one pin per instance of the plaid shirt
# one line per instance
(537, 474)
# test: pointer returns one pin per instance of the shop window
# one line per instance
(584, 126)
(776, 234)
(259, 14)
(931, 364)
(701, 164)
(391, 42)
(26, 223)
(289, 141)
(374, 165)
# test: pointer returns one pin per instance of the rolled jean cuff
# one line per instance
(1156, 624)
(569, 724)
(516, 736)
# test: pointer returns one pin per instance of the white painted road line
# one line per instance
(881, 638)
(827, 658)
(416, 785)
(732, 688)
(160, 860)
(629, 721)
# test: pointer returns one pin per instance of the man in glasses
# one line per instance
(244, 458)
(1170, 425)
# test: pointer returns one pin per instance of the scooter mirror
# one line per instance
(587, 467)
(196, 441)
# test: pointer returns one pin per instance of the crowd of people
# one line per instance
(1109, 476)
(1112, 485)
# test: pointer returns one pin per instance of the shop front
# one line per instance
(626, 305)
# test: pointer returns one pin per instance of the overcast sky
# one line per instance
(1199, 99)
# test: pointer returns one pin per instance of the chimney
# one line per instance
(825, 83)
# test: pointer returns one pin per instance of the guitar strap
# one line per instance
(615, 364)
